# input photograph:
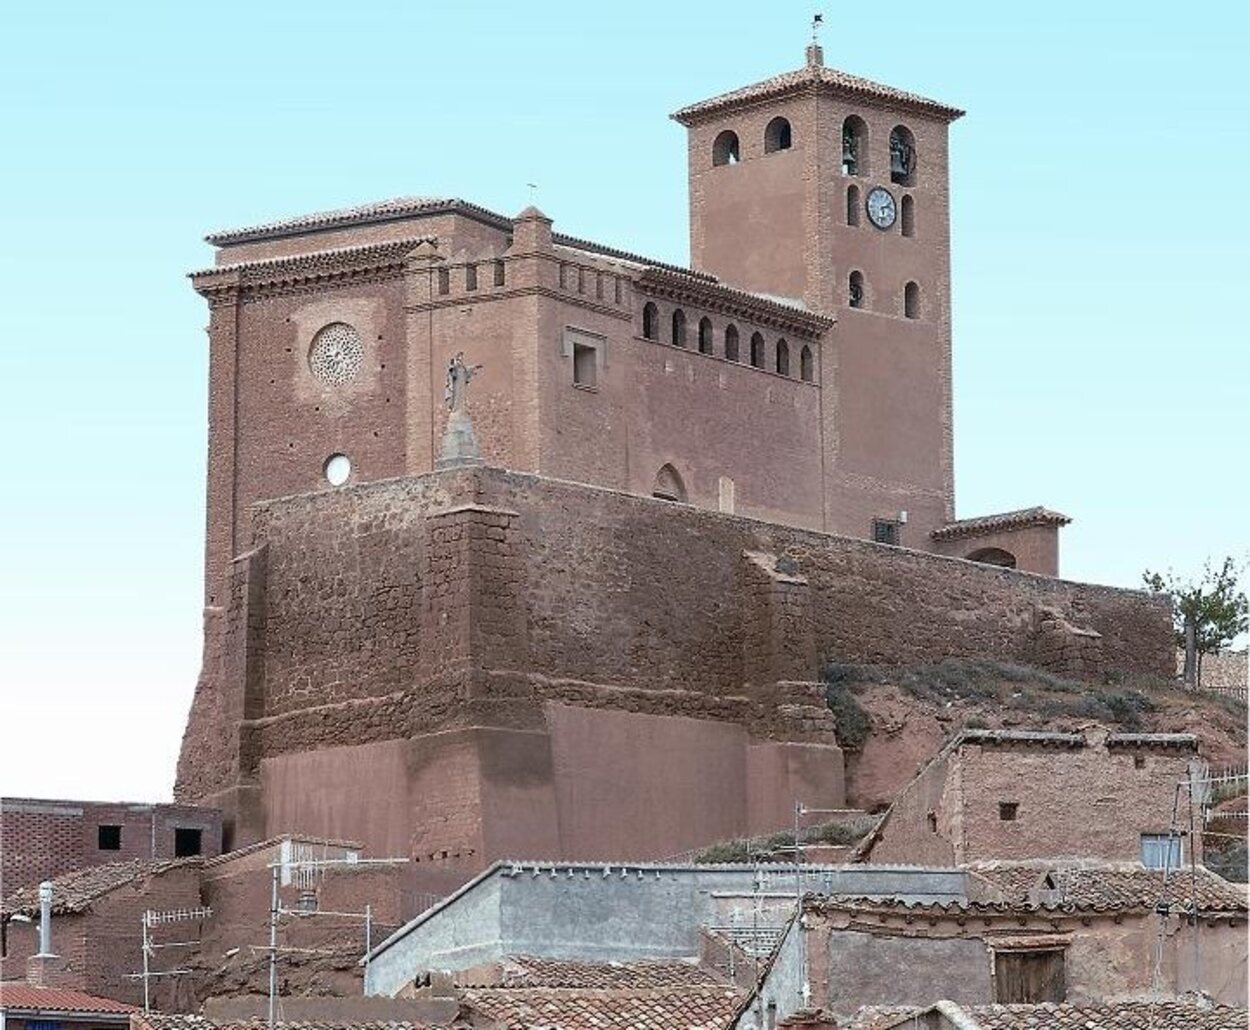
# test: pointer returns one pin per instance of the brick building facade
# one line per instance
(41, 838)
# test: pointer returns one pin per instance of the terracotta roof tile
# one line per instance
(1105, 886)
(74, 891)
(360, 214)
(171, 1021)
(1036, 516)
(18, 994)
(813, 77)
(679, 1008)
(1129, 1015)
(528, 971)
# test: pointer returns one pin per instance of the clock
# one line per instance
(881, 207)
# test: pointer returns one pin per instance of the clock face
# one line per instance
(881, 207)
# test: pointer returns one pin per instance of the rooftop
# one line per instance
(530, 972)
(18, 994)
(1036, 516)
(1121, 1015)
(687, 1007)
(74, 891)
(814, 76)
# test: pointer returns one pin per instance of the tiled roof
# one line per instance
(813, 76)
(528, 971)
(1125, 1015)
(74, 891)
(678, 1008)
(1184, 741)
(1037, 516)
(18, 994)
(1105, 886)
(1121, 1015)
(362, 214)
(1043, 737)
(173, 1021)
(273, 842)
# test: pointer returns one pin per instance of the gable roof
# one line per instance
(1106, 886)
(75, 891)
(18, 994)
(687, 1007)
(1035, 516)
(813, 76)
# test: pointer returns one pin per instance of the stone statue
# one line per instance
(459, 444)
(458, 376)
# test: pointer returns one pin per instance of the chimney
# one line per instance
(815, 55)
(45, 920)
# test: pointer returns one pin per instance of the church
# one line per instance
(524, 544)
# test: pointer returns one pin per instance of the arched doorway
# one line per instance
(668, 485)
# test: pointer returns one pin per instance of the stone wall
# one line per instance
(479, 600)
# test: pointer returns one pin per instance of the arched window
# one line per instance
(852, 205)
(855, 290)
(783, 358)
(902, 156)
(911, 300)
(909, 215)
(650, 320)
(806, 370)
(679, 328)
(777, 135)
(757, 350)
(725, 148)
(501, 275)
(705, 336)
(668, 485)
(731, 343)
(994, 556)
(854, 146)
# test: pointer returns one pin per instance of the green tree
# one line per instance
(1218, 609)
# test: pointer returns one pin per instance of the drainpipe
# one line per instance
(45, 919)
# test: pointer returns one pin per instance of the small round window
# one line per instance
(338, 468)
(336, 354)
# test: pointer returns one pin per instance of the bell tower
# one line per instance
(832, 191)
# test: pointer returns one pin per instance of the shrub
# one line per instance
(849, 718)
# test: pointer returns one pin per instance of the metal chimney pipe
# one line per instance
(45, 918)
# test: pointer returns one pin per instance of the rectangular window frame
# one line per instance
(887, 531)
(1155, 848)
(108, 837)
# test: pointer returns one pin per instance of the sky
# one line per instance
(1102, 359)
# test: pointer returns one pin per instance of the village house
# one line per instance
(26, 1006)
(1002, 794)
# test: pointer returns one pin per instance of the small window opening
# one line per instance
(852, 205)
(679, 328)
(725, 148)
(564, 275)
(911, 300)
(585, 368)
(470, 277)
(931, 819)
(757, 350)
(777, 136)
(908, 217)
(783, 358)
(308, 901)
(885, 531)
(731, 343)
(1139, 761)
(650, 321)
(108, 838)
(855, 290)
(444, 280)
(616, 289)
(501, 275)
(668, 485)
(1160, 851)
(705, 336)
(902, 156)
(186, 841)
(598, 286)
(1007, 811)
(581, 280)
(806, 365)
(854, 146)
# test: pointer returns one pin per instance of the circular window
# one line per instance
(337, 469)
(336, 354)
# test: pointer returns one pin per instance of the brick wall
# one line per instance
(40, 839)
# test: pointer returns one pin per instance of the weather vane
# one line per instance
(817, 21)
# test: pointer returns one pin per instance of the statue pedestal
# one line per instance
(459, 444)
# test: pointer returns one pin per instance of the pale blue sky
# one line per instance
(1100, 250)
